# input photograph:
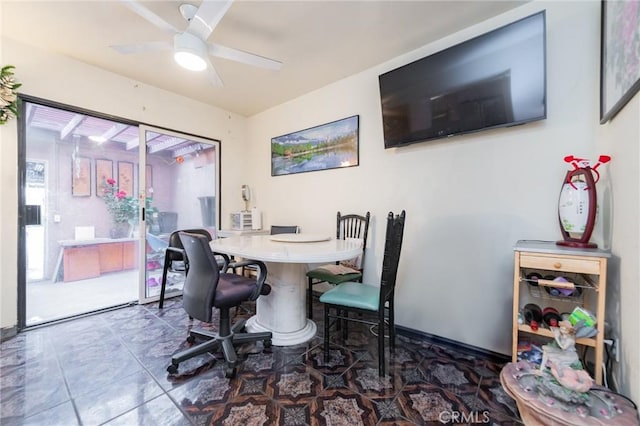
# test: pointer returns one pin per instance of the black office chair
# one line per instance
(175, 259)
(206, 288)
(347, 226)
(373, 302)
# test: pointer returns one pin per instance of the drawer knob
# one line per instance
(557, 265)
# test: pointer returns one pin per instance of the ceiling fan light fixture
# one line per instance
(190, 52)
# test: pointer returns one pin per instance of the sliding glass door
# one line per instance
(181, 188)
(97, 208)
(79, 253)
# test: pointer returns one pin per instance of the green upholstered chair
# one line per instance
(347, 226)
(373, 303)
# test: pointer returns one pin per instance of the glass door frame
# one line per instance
(142, 185)
(22, 125)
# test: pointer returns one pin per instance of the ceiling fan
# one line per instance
(190, 46)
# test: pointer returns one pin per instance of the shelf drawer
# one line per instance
(555, 263)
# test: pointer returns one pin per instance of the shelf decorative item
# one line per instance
(577, 205)
(8, 94)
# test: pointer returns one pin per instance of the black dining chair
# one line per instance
(347, 227)
(284, 229)
(206, 288)
(373, 303)
(176, 260)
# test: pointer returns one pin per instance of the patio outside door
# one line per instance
(181, 185)
(97, 207)
(73, 261)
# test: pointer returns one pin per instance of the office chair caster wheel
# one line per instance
(229, 372)
(191, 339)
(172, 369)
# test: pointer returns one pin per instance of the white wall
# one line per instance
(61, 79)
(621, 138)
(468, 199)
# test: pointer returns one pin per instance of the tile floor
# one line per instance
(110, 369)
(49, 301)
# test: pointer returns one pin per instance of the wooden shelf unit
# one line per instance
(551, 259)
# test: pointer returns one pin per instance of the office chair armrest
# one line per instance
(176, 250)
(225, 261)
(260, 277)
(241, 263)
(169, 253)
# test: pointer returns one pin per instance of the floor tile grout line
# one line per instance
(64, 378)
(146, 370)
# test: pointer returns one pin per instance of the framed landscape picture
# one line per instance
(329, 146)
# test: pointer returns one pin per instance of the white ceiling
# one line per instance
(319, 42)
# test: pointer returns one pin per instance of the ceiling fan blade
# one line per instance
(151, 46)
(232, 54)
(212, 75)
(207, 17)
(150, 16)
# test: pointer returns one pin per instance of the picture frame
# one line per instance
(80, 177)
(328, 146)
(619, 53)
(125, 177)
(104, 171)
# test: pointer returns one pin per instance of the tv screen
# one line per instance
(497, 79)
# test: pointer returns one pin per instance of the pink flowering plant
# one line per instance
(122, 207)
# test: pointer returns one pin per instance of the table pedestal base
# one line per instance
(283, 311)
(283, 339)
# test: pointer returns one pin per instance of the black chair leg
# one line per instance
(381, 343)
(326, 333)
(229, 352)
(263, 336)
(344, 325)
(163, 285)
(208, 346)
(239, 326)
(392, 326)
(310, 299)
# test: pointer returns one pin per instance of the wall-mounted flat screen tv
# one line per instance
(497, 79)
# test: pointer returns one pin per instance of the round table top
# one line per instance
(263, 248)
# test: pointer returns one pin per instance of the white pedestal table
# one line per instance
(283, 311)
